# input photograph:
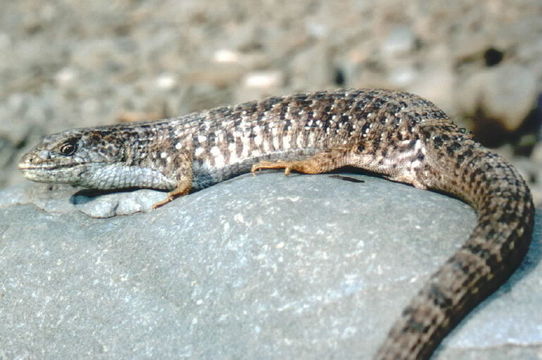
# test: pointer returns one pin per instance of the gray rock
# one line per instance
(265, 267)
(400, 41)
(118, 203)
(7, 152)
(506, 94)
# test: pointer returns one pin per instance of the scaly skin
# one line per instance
(399, 135)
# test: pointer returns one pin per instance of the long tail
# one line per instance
(493, 251)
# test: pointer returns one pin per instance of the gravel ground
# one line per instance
(70, 64)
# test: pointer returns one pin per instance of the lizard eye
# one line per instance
(68, 148)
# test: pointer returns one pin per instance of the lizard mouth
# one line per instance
(30, 167)
(46, 167)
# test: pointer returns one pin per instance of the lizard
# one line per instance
(398, 135)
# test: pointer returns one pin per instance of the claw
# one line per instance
(182, 189)
(162, 202)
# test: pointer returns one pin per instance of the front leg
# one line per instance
(183, 188)
(180, 169)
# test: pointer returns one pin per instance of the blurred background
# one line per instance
(71, 63)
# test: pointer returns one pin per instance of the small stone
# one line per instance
(437, 84)
(66, 76)
(257, 85)
(510, 94)
(402, 76)
(118, 203)
(263, 79)
(226, 56)
(166, 81)
(399, 41)
(5, 41)
(537, 154)
(505, 94)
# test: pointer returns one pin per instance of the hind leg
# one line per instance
(347, 156)
(320, 163)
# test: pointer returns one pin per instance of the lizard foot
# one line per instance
(320, 163)
(182, 189)
(288, 166)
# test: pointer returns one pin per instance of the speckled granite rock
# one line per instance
(266, 267)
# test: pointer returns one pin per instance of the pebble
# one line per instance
(509, 93)
(400, 41)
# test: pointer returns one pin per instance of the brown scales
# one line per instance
(396, 134)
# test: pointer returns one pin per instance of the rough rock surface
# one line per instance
(265, 267)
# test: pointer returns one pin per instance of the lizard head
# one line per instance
(72, 156)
